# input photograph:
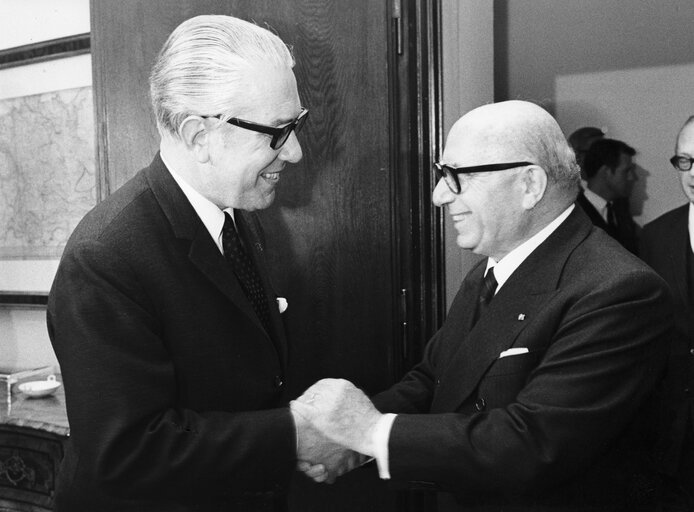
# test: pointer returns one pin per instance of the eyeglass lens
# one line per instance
(681, 163)
(449, 177)
(287, 130)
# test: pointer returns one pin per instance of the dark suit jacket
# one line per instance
(628, 232)
(173, 387)
(538, 430)
(664, 246)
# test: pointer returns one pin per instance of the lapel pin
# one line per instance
(521, 317)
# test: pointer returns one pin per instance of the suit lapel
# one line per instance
(203, 252)
(207, 258)
(679, 235)
(517, 304)
(495, 332)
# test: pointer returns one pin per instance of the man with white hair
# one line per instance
(523, 398)
(162, 316)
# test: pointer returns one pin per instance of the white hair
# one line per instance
(201, 67)
(554, 154)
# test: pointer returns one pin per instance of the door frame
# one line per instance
(416, 80)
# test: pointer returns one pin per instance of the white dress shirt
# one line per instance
(210, 214)
(691, 225)
(502, 271)
(598, 202)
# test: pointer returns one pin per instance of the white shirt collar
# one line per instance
(509, 263)
(597, 201)
(210, 214)
(691, 225)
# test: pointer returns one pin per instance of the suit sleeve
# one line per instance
(129, 429)
(645, 245)
(605, 353)
(414, 393)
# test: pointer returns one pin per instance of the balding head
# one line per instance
(515, 131)
(684, 132)
(496, 211)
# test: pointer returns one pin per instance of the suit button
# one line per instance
(691, 351)
(480, 404)
(278, 381)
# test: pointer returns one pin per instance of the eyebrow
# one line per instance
(278, 121)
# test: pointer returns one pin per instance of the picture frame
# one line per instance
(63, 67)
(42, 51)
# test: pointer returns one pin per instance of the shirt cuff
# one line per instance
(381, 435)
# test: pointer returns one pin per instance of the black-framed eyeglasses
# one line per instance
(682, 163)
(450, 174)
(280, 134)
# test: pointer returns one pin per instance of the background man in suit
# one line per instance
(166, 327)
(524, 397)
(667, 245)
(610, 173)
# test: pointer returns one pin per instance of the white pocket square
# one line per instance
(513, 352)
(282, 304)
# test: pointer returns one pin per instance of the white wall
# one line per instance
(30, 21)
(610, 100)
(23, 337)
(626, 66)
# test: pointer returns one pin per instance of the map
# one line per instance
(47, 164)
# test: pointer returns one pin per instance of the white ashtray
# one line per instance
(38, 388)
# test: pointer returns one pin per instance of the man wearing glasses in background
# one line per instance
(166, 327)
(527, 396)
(667, 244)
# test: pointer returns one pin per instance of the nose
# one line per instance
(442, 195)
(632, 175)
(291, 151)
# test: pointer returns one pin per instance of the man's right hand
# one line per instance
(319, 458)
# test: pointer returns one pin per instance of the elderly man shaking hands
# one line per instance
(529, 395)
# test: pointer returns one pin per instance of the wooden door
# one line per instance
(352, 237)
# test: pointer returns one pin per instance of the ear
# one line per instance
(196, 137)
(534, 183)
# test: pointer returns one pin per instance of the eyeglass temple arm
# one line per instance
(270, 130)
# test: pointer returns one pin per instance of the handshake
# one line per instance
(335, 424)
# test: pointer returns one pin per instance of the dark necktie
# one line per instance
(487, 290)
(245, 271)
(611, 216)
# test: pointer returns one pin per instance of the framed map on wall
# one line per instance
(47, 159)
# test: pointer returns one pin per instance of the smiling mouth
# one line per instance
(271, 176)
(458, 216)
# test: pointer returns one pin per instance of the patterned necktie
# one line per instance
(489, 285)
(245, 271)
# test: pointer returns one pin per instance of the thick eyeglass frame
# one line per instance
(450, 174)
(280, 134)
(678, 161)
